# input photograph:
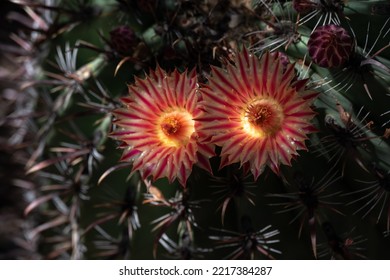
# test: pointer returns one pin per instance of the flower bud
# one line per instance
(123, 40)
(330, 46)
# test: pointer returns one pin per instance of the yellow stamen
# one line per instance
(262, 117)
(176, 128)
(170, 126)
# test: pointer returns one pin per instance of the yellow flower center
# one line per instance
(170, 126)
(262, 117)
(175, 128)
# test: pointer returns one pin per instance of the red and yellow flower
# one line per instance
(158, 126)
(257, 111)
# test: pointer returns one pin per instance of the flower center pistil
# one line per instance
(170, 126)
(262, 117)
(176, 128)
(258, 115)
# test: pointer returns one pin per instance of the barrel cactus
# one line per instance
(195, 129)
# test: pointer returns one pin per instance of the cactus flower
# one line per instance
(158, 129)
(257, 112)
